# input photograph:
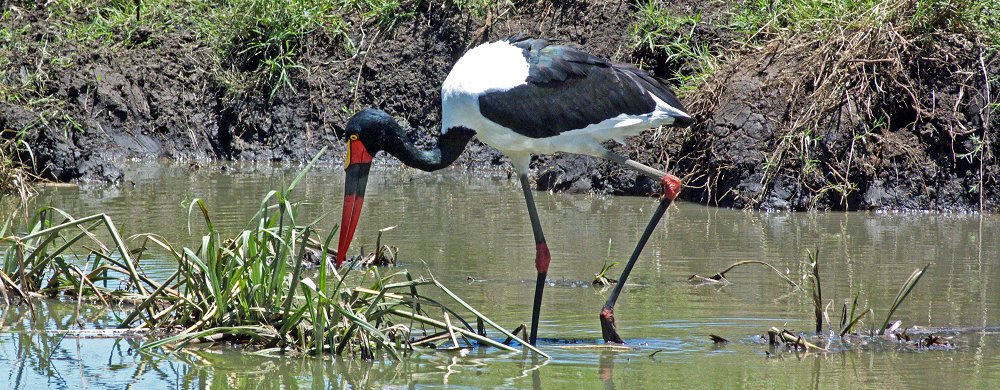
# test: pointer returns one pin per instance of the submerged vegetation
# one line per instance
(250, 289)
(851, 316)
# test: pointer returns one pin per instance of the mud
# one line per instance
(154, 95)
(932, 150)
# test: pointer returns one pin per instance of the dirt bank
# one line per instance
(153, 95)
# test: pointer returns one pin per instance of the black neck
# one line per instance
(450, 145)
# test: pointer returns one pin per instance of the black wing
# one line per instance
(568, 89)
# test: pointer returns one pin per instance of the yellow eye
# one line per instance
(354, 137)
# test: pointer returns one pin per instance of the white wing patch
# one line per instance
(495, 66)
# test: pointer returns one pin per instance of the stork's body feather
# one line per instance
(525, 96)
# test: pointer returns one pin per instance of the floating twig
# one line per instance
(721, 276)
(775, 335)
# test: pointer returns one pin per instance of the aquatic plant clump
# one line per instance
(848, 333)
(251, 289)
(783, 341)
(45, 261)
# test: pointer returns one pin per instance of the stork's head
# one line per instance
(372, 131)
(366, 134)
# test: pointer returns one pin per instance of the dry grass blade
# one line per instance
(488, 321)
(442, 325)
(15, 169)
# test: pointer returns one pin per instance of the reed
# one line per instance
(850, 317)
(904, 291)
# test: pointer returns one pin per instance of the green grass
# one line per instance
(658, 30)
(388, 13)
(961, 16)
(259, 42)
(760, 20)
(481, 8)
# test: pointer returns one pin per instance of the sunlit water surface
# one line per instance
(464, 225)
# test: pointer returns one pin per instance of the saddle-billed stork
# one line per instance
(525, 96)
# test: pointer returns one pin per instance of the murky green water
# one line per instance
(463, 226)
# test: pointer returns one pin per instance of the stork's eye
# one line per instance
(354, 137)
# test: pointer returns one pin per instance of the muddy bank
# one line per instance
(872, 119)
(153, 94)
(154, 97)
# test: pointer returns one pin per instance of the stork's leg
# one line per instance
(671, 187)
(542, 256)
(671, 184)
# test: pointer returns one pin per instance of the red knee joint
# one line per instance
(542, 258)
(671, 186)
(607, 314)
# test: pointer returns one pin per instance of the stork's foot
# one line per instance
(671, 186)
(608, 329)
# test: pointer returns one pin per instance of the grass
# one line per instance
(720, 277)
(660, 31)
(388, 13)
(483, 8)
(850, 316)
(760, 20)
(259, 41)
(601, 278)
(251, 288)
(257, 44)
(16, 165)
(963, 16)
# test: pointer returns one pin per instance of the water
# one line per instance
(473, 225)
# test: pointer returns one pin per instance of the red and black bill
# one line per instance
(356, 165)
